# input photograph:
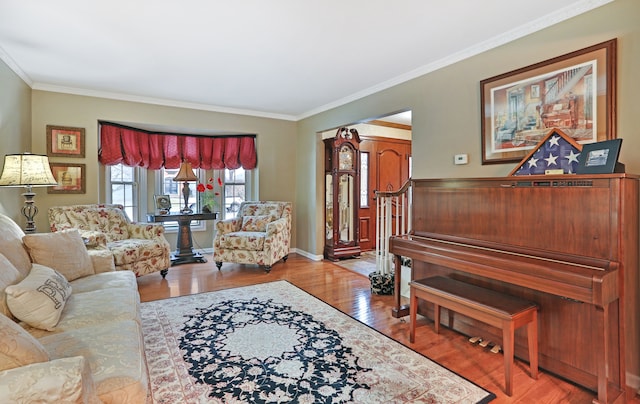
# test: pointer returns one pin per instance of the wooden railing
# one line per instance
(393, 213)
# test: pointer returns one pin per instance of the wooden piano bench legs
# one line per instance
(499, 310)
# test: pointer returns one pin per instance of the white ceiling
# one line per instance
(285, 59)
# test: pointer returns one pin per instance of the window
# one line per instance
(364, 179)
(123, 188)
(235, 182)
(174, 189)
(123, 183)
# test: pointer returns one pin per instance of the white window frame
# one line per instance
(139, 199)
(172, 227)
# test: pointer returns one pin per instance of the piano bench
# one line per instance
(497, 309)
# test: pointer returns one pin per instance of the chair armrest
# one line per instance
(146, 230)
(93, 239)
(276, 226)
(64, 380)
(228, 225)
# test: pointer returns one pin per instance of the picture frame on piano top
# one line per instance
(600, 158)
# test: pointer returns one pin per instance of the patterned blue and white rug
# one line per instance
(275, 343)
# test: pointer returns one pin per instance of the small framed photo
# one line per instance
(63, 141)
(70, 177)
(163, 204)
(599, 158)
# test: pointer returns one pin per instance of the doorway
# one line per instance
(386, 159)
(385, 151)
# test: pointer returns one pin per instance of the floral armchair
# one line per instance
(260, 234)
(137, 247)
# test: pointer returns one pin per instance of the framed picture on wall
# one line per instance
(64, 141)
(574, 93)
(70, 177)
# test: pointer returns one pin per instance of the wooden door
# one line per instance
(387, 162)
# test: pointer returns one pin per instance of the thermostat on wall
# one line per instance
(460, 159)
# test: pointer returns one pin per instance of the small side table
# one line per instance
(184, 253)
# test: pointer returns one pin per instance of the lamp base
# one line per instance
(29, 211)
(186, 192)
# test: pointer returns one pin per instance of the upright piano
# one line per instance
(568, 242)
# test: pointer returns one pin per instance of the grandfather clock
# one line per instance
(342, 193)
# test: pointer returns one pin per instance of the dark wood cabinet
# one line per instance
(184, 253)
(342, 193)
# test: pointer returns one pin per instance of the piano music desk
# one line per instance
(497, 309)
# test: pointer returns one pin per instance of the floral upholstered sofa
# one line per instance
(260, 234)
(70, 326)
(137, 247)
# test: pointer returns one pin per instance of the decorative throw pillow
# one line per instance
(39, 298)
(8, 276)
(18, 347)
(63, 251)
(256, 223)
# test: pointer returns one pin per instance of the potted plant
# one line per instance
(208, 195)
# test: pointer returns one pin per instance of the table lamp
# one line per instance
(186, 175)
(27, 170)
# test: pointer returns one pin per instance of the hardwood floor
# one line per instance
(349, 292)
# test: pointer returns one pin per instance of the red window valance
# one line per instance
(133, 147)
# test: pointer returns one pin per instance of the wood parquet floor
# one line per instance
(349, 292)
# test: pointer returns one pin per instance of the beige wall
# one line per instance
(15, 131)
(276, 144)
(445, 107)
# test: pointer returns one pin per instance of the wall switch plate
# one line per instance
(460, 159)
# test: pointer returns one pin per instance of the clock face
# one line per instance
(345, 158)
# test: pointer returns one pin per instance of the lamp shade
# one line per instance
(185, 173)
(26, 170)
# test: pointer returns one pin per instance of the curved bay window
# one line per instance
(342, 193)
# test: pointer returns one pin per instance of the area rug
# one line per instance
(275, 343)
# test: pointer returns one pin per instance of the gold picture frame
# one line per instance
(71, 178)
(65, 141)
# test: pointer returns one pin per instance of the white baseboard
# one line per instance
(306, 254)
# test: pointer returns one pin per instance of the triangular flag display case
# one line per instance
(556, 151)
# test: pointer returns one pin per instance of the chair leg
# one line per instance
(267, 268)
(164, 272)
(219, 264)
(284, 259)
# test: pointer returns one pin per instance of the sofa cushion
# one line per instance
(115, 352)
(134, 249)
(106, 280)
(88, 309)
(257, 223)
(11, 245)
(9, 275)
(107, 220)
(65, 380)
(39, 298)
(259, 209)
(18, 347)
(243, 240)
(63, 251)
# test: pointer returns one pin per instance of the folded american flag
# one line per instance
(555, 151)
